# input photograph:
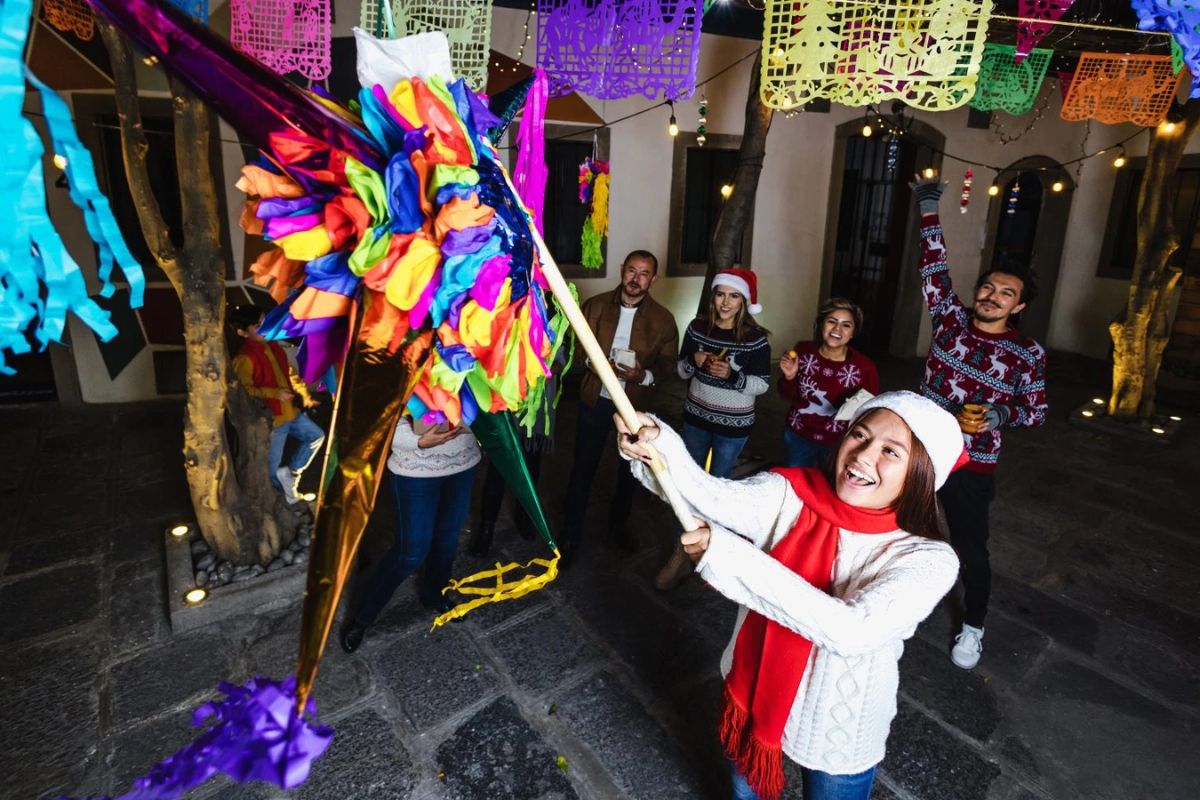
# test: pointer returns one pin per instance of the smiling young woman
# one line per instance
(818, 376)
(833, 570)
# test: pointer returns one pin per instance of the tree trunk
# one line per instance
(735, 214)
(1140, 334)
(239, 513)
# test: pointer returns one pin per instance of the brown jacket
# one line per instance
(654, 337)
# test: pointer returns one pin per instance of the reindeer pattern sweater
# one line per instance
(967, 365)
(820, 387)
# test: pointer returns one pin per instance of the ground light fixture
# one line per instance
(1097, 401)
(1088, 413)
(1157, 429)
(180, 531)
(1174, 418)
(195, 597)
(308, 497)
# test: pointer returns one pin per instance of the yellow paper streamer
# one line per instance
(858, 52)
(502, 590)
(600, 205)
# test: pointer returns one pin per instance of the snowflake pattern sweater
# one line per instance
(884, 584)
(724, 406)
(967, 365)
(819, 389)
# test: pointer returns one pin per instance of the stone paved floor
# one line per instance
(1089, 687)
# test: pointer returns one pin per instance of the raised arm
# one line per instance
(917, 576)
(935, 272)
(761, 508)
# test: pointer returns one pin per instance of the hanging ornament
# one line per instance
(1014, 195)
(1008, 84)
(1116, 87)
(702, 121)
(1037, 17)
(72, 16)
(893, 154)
(285, 35)
(593, 189)
(1180, 20)
(965, 195)
(611, 50)
(466, 23)
(924, 52)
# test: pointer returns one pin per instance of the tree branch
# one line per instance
(133, 151)
(735, 214)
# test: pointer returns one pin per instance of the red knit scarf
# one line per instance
(268, 360)
(769, 660)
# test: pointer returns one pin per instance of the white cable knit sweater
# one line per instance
(883, 586)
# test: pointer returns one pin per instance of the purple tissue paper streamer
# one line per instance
(257, 734)
(621, 47)
(1180, 20)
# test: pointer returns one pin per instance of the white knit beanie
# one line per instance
(935, 428)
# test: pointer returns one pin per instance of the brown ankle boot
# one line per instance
(678, 567)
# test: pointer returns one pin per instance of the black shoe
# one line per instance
(481, 540)
(439, 605)
(352, 636)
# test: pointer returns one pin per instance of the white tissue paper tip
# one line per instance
(388, 61)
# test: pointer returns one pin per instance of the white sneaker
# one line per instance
(968, 647)
(288, 480)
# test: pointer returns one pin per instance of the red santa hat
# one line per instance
(743, 282)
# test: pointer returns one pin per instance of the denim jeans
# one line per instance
(430, 512)
(800, 452)
(595, 433)
(817, 785)
(303, 429)
(725, 449)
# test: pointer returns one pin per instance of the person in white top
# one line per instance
(833, 570)
(432, 473)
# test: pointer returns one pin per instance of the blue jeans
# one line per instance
(307, 432)
(725, 449)
(430, 512)
(817, 785)
(800, 452)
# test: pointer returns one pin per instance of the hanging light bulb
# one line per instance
(928, 173)
(673, 126)
(1057, 186)
(1167, 127)
(994, 189)
(727, 190)
(867, 130)
(1120, 160)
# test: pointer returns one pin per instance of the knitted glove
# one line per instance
(928, 191)
(996, 416)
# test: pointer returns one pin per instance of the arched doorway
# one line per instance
(870, 244)
(1027, 222)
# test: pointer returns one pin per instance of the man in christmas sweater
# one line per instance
(983, 370)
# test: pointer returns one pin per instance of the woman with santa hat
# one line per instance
(833, 570)
(726, 360)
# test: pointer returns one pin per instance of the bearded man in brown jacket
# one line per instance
(642, 341)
